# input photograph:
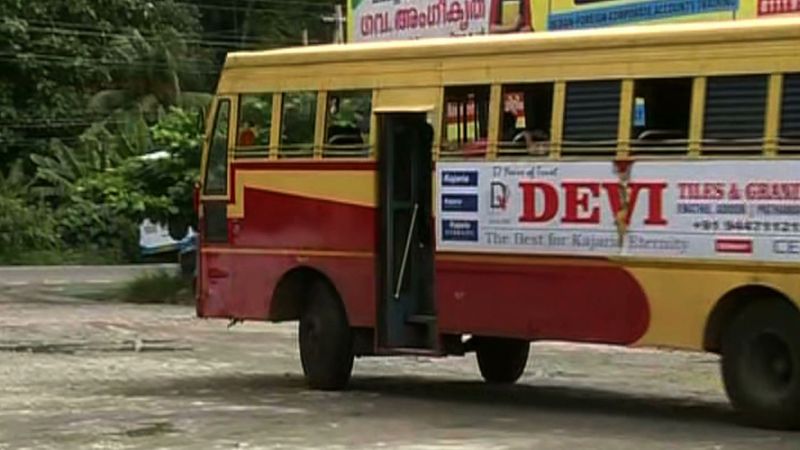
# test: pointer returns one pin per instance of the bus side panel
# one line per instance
(281, 225)
(540, 298)
(256, 277)
(215, 284)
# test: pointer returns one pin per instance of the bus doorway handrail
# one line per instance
(405, 253)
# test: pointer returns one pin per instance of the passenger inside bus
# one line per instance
(247, 135)
(348, 123)
(532, 141)
(526, 119)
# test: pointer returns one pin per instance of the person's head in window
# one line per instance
(247, 135)
(333, 106)
(537, 142)
(522, 21)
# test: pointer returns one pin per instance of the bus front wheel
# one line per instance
(501, 360)
(326, 341)
(761, 364)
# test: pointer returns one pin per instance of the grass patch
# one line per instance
(158, 287)
(61, 257)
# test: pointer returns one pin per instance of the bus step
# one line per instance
(410, 351)
(423, 319)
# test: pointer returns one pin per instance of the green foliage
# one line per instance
(24, 226)
(158, 287)
(15, 183)
(56, 55)
(61, 256)
(89, 87)
(179, 136)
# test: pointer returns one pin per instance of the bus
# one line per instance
(631, 186)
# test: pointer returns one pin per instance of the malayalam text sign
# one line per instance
(378, 20)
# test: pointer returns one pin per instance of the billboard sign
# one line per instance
(747, 210)
(376, 20)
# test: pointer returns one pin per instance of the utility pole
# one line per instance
(339, 20)
(305, 36)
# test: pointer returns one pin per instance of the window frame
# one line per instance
(299, 151)
(674, 148)
(443, 151)
(362, 151)
(244, 152)
(721, 147)
(210, 135)
(500, 111)
(605, 149)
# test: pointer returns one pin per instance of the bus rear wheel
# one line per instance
(326, 341)
(761, 364)
(501, 360)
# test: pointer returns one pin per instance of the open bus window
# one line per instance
(591, 118)
(217, 162)
(526, 118)
(466, 121)
(734, 115)
(790, 115)
(661, 115)
(255, 122)
(298, 119)
(348, 124)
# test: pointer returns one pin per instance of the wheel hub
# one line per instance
(772, 359)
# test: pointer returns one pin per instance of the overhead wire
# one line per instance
(82, 29)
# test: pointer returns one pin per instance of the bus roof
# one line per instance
(706, 32)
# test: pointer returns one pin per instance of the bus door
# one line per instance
(406, 309)
(213, 211)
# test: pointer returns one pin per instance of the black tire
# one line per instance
(761, 364)
(326, 340)
(188, 263)
(177, 228)
(501, 360)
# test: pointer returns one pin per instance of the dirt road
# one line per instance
(93, 375)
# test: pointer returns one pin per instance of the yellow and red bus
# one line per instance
(641, 189)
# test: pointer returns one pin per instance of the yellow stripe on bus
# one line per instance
(353, 187)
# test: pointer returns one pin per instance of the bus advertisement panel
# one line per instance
(376, 20)
(749, 210)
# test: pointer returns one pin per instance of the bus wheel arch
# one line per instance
(730, 305)
(292, 291)
(325, 336)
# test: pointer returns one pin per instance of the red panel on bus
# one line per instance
(540, 298)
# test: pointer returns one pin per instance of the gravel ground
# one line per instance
(97, 375)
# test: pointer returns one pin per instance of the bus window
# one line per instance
(298, 119)
(255, 122)
(661, 116)
(734, 116)
(591, 118)
(347, 124)
(790, 115)
(217, 162)
(526, 117)
(466, 121)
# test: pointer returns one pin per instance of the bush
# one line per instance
(25, 227)
(159, 287)
(88, 226)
